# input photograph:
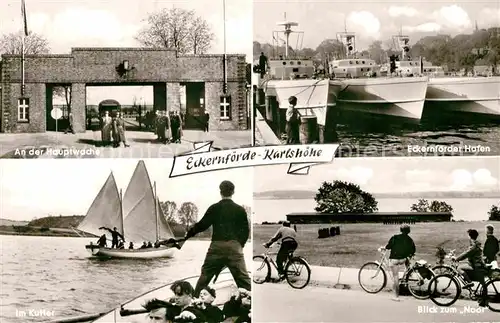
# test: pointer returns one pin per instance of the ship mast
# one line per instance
(288, 30)
(402, 43)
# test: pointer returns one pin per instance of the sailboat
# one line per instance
(136, 215)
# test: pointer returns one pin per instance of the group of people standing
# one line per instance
(113, 129)
(168, 127)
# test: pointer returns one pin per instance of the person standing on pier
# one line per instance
(292, 122)
(262, 64)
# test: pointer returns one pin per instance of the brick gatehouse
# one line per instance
(164, 69)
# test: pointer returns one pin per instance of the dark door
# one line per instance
(195, 105)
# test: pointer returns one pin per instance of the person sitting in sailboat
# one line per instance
(131, 245)
(150, 245)
(183, 293)
(238, 308)
(114, 235)
(202, 309)
(102, 241)
(144, 245)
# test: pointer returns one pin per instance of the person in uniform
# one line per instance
(106, 125)
(207, 121)
(120, 122)
(161, 127)
(176, 127)
(70, 124)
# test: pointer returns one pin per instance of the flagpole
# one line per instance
(23, 13)
(225, 55)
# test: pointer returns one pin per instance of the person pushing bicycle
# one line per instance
(288, 244)
(402, 248)
(475, 266)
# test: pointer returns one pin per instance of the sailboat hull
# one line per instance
(400, 98)
(149, 253)
(224, 286)
(474, 95)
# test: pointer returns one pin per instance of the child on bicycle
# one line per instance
(475, 264)
(490, 245)
(402, 247)
(288, 238)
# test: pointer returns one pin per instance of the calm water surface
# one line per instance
(379, 140)
(56, 274)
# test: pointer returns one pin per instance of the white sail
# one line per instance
(105, 211)
(139, 209)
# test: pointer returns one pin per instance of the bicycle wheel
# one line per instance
(373, 271)
(493, 292)
(444, 290)
(443, 269)
(417, 282)
(297, 273)
(262, 270)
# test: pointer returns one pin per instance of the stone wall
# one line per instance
(98, 66)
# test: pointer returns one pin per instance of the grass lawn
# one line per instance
(358, 242)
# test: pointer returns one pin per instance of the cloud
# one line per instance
(489, 17)
(452, 17)
(482, 177)
(464, 180)
(426, 27)
(367, 21)
(358, 175)
(398, 11)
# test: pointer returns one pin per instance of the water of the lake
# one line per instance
(56, 274)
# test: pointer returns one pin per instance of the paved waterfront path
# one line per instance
(142, 144)
(281, 303)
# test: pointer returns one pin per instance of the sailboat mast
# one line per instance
(121, 211)
(156, 212)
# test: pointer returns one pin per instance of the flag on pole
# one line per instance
(25, 19)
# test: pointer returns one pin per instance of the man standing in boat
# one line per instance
(292, 122)
(230, 233)
(114, 235)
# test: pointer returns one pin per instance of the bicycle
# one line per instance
(453, 277)
(418, 272)
(294, 267)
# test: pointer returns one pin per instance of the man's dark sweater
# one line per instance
(229, 222)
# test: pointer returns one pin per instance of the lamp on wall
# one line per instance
(123, 68)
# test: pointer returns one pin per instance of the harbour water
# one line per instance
(466, 209)
(379, 140)
(45, 278)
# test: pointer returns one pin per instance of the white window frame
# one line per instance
(23, 110)
(225, 111)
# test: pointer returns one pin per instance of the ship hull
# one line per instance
(465, 95)
(399, 99)
(148, 253)
(313, 96)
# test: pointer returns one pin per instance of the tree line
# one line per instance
(344, 197)
(463, 51)
(174, 28)
(182, 216)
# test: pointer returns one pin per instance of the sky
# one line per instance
(390, 175)
(372, 20)
(38, 188)
(115, 23)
